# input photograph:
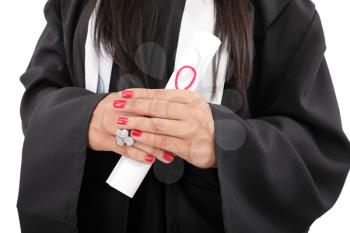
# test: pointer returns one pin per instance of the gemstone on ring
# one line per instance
(124, 133)
(119, 141)
(119, 133)
(129, 141)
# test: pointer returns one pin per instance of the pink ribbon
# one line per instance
(178, 75)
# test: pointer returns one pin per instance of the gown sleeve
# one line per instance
(55, 120)
(286, 166)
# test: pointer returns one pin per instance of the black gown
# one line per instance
(282, 156)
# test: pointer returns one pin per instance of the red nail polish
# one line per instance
(122, 120)
(149, 158)
(127, 94)
(136, 133)
(168, 156)
(119, 103)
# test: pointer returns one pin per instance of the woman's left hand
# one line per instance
(177, 121)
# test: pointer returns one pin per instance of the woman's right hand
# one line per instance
(103, 127)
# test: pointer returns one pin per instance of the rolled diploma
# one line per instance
(128, 174)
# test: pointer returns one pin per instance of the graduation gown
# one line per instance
(282, 156)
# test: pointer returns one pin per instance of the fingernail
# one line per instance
(127, 94)
(136, 133)
(119, 103)
(149, 158)
(168, 156)
(122, 120)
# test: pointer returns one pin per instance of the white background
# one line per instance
(21, 22)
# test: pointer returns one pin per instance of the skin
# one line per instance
(175, 121)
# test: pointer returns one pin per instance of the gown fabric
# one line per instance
(281, 152)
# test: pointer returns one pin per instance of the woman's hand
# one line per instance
(103, 127)
(177, 121)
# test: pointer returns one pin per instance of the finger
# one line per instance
(172, 95)
(155, 108)
(114, 110)
(161, 155)
(174, 128)
(129, 151)
(171, 144)
(110, 123)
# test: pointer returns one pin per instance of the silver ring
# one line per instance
(122, 138)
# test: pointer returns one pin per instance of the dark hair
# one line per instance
(119, 28)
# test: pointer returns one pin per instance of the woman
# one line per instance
(272, 157)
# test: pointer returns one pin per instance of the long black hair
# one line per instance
(119, 27)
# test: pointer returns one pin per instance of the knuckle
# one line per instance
(155, 106)
(163, 141)
(160, 94)
(132, 153)
(158, 124)
(157, 153)
(136, 124)
(133, 104)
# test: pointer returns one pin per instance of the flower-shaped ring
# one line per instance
(122, 138)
